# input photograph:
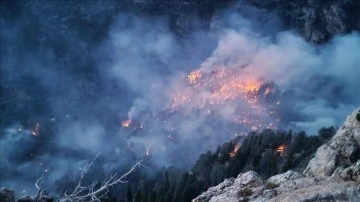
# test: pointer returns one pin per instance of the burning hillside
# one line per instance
(243, 96)
(206, 106)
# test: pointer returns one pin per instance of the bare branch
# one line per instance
(92, 193)
(39, 184)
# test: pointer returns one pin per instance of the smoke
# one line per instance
(79, 75)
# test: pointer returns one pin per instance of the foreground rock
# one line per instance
(341, 155)
(332, 175)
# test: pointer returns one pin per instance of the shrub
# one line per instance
(271, 185)
(245, 192)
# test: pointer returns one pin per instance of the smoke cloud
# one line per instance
(78, 80)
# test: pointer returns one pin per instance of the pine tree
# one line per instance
(138, 196)
(129, 194)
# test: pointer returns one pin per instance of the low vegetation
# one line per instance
(271, 185)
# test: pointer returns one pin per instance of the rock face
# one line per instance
(245, 185)
(332, 175)
(341, 155)
(316, 20)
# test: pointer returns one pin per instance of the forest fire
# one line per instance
(194, 76)
(233, 152)
(225, 87)
(280, 149)
(217, 87)
(126, 123)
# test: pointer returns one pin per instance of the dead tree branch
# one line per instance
(95, 191)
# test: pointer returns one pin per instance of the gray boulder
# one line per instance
(340, 154)
(289, 175)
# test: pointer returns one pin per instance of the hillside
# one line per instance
(332, 175)
(269, 152)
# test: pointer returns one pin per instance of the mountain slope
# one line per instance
(333, 174)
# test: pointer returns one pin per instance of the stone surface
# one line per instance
(289, 175)
(249, 178)
(246, 185)
(294, 188)
(342, 151)
(319, 191)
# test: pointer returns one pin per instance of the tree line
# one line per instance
(269, 152)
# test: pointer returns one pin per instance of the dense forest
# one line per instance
(269, 152)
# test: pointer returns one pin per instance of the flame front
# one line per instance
(233, 152)
(194, 77)
(216, 87)
(126, 123)
(233, 89)
(227, 99)
(280, 149)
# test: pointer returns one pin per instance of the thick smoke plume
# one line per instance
(82, 79)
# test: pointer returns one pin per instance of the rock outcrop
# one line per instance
(316, 20)
(341, 155)
(332, 175)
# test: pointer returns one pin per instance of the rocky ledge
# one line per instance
(332, 175)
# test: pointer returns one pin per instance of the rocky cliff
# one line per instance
(316, 20)
(332, 175)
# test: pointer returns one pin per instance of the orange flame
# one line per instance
(280, 149)
(267, 90)
(194, 76)
(126, 123)
(233, 152)
(216, 87)
(224, 86)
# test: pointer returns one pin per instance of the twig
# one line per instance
(91, 193)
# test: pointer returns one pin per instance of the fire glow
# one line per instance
(217, 87)
(226, 99)
(194, 76)
(229, 88)
(126, 123)
(280, 149)
(233, 152)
